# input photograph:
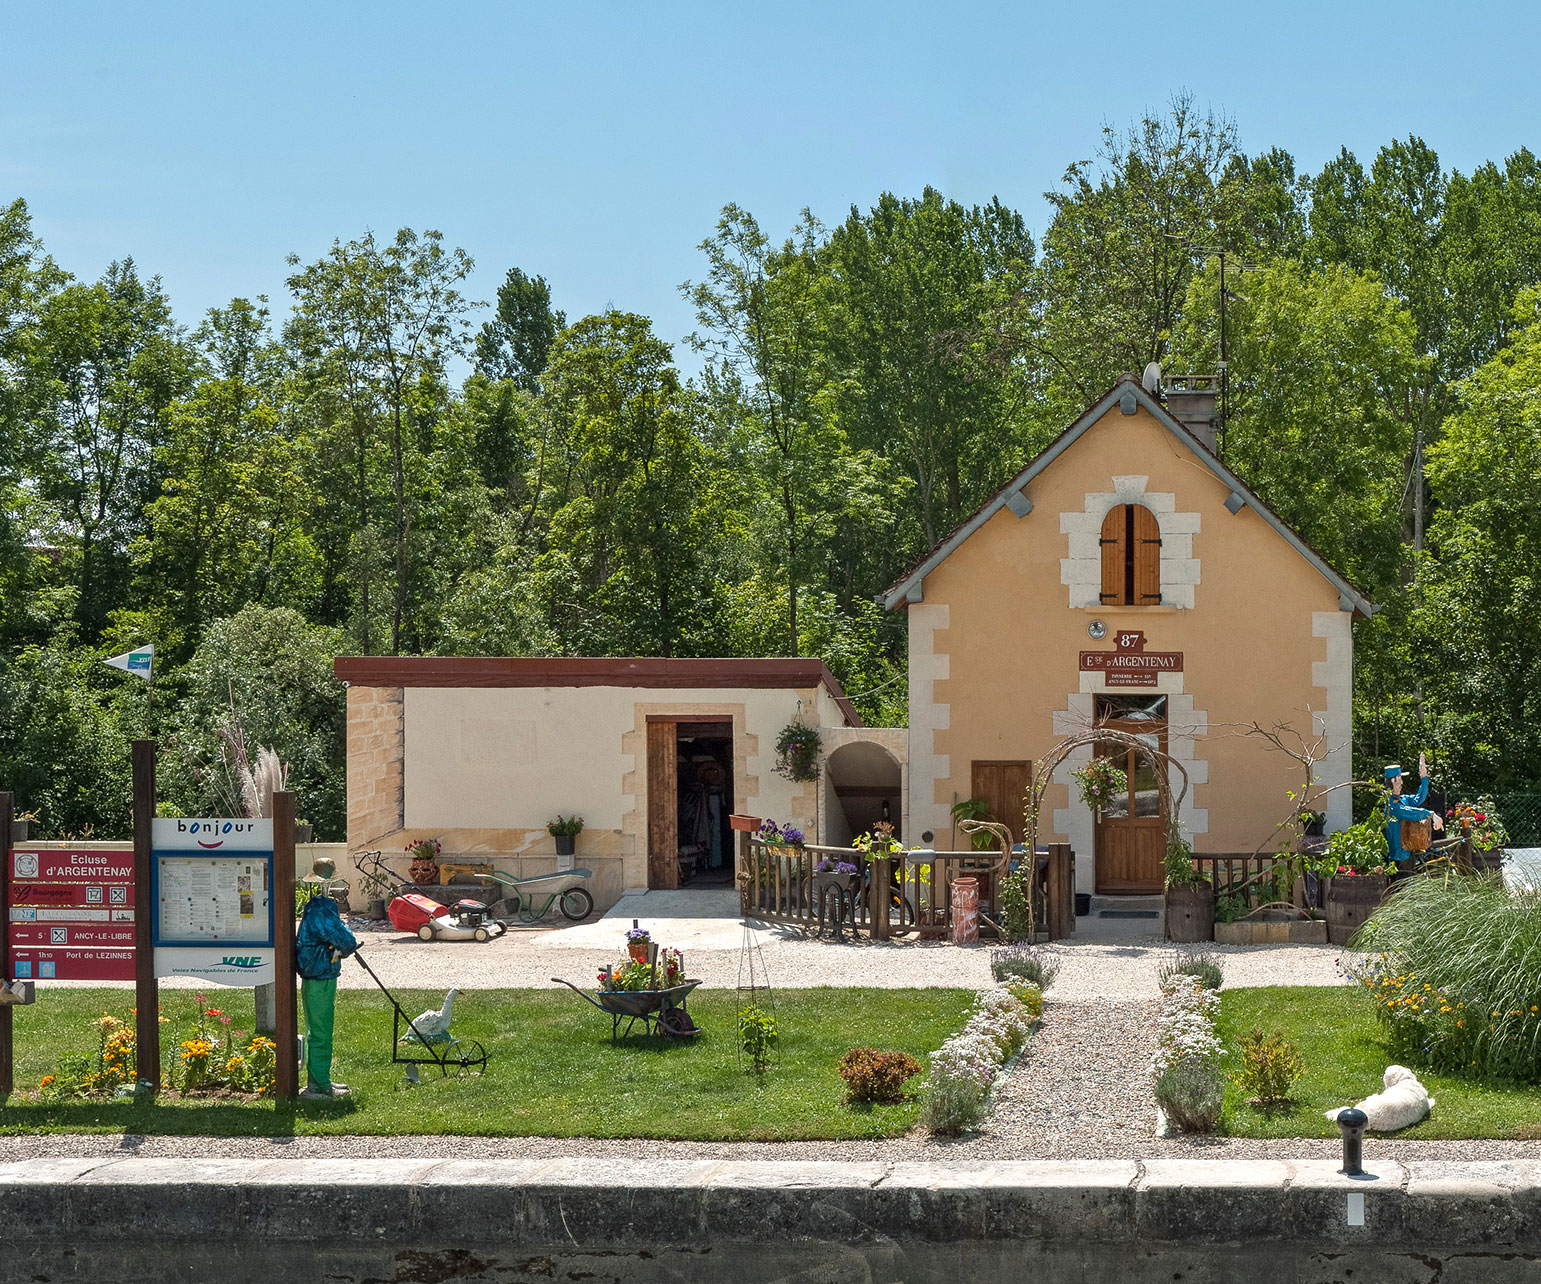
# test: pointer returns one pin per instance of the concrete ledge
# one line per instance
(575, 1218)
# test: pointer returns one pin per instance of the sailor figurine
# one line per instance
(1400, 807)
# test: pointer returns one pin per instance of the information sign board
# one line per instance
(212, 894)
(72, 914)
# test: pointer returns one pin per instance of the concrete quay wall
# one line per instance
(399, 1220)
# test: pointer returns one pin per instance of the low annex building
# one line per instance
(1127, 578)
(654, 754)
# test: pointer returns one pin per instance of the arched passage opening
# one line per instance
(864, 784)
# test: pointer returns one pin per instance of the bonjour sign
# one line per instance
(1131, 665)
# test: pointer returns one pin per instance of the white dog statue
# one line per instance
(1403, 1102)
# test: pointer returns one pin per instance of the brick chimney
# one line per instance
(1191, 400)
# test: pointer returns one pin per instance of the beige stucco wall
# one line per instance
(994, 645)
(485, 768)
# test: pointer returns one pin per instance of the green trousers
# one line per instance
(319, 998)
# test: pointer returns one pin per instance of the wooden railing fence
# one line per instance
(776, 885)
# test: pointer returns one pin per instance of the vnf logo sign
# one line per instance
(240, 960)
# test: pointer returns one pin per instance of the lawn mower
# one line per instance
(465, 920)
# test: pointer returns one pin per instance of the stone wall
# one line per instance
(611, 1219)
(375, 747)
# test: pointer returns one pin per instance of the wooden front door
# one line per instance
(663, 819)
(1131, 833)
(1002, 786)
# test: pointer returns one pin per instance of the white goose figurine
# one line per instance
(433, 1027)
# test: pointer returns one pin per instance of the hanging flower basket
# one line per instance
(1101, 782)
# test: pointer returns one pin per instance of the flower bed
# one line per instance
(964, 1069)
(1189, 1085)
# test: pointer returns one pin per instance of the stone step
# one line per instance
(1126, 906)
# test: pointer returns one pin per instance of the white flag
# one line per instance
(139, 661)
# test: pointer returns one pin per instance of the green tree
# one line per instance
(227, 527)
(1130, 230)
(762, 310)
(516, 343)
(1322, 364)
(65, 726)
(625, 543)
(373, 328)
(275, 668)
(914, 285)
(110, 362)
(1476, 626)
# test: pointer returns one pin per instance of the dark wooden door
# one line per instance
(1003, 786)
(1131, 833)
(663, 808)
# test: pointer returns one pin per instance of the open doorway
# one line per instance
(690, 797)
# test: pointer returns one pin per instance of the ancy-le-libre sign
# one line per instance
(1131, 665)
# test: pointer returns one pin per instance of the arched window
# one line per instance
(1131, 557)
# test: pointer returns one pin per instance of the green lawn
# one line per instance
(552, 1071)
(1340, 1040)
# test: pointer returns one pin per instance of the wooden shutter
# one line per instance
(1002, 786)
(1114, 554)
(663, 806)
(1145, 545)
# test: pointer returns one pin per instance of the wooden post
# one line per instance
(7, 1063)
(286, 1074)
(1059, 893)
(877, 910)
(147, 1025)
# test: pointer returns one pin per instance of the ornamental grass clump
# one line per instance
(1189, 1085)
(1456, 975)
(964, 1068)
(1021, 962)
(1201, 965)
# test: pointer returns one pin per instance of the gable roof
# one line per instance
(908, 588)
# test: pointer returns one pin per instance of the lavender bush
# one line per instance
(1022, 962)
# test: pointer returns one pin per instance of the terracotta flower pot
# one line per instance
(425, 871)
(637, 950)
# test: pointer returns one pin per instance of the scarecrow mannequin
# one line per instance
(1400, 808)
(322, 943)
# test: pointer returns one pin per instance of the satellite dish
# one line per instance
(1151, 379)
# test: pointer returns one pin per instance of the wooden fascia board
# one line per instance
(765, 674)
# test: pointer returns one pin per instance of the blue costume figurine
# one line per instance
(322, 943)
(1400, 808)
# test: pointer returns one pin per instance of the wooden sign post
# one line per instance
(7, 1064)
(147, 1010)
(286, 1074)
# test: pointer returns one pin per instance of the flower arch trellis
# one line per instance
(1159, 760)
(1043, 772)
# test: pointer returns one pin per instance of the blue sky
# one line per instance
(595, 143)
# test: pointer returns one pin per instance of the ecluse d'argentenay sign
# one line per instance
(1131, 665)
(72, 915)
(213, 899)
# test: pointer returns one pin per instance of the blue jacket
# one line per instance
(323, 940)
(1400, 807)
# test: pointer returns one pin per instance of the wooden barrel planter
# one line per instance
(1350, 901)
(1190, 914)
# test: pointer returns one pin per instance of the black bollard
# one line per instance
(1351, 1123)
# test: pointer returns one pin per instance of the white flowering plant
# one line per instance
(964, 1068)
(1189, 1085)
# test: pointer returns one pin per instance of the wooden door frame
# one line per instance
(663, 816)
(1134, 727)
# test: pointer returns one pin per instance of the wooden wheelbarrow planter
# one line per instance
(660, 1011)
